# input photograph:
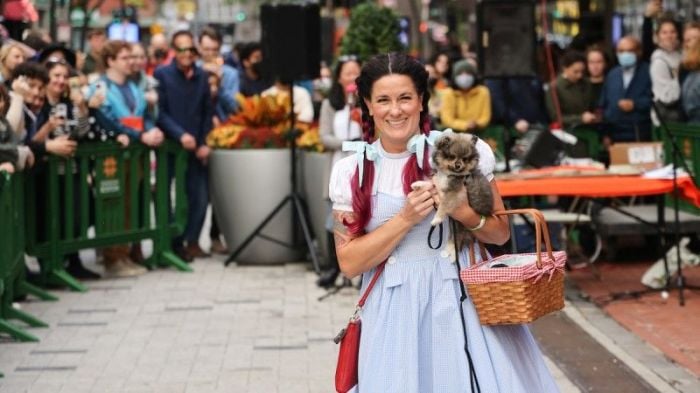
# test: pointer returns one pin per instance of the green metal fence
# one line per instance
(589, 142)
(108, 187)
(688, 139)
(12, 273)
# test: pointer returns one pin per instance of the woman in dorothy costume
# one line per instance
(412, 337)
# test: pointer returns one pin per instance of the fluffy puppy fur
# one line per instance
(456, 162)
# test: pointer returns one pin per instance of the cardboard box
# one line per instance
(643, 155)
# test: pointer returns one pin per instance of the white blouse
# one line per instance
(388, 177)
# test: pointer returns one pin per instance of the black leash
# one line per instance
(473, 380)
(430, 237)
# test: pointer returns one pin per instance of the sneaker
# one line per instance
(218, 247)
(118, 269)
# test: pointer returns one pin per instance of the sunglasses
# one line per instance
(55, 60)
(190, 49)
(345, 58)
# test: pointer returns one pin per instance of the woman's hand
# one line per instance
(151, 97)
(54, 122)
(7, 167)
(76, 97)
(61, 146)
(419, 203)
(588, 117)
(95, 102)
(123, 140)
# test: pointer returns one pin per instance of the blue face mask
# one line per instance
(627, 59)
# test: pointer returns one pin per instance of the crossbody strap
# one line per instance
(376, 275)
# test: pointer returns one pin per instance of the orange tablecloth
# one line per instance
(596, 186)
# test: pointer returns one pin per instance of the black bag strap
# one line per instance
(473, 380)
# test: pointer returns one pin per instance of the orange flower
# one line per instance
(261, 122)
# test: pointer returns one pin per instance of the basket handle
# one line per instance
(541, 231)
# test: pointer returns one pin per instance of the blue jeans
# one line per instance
(197, 188)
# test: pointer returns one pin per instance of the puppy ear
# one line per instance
(474, 139)
(443, 142)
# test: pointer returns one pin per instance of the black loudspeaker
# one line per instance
(327, 39)
(506, 39)
(291, 41)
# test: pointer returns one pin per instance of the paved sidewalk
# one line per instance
(236, 329)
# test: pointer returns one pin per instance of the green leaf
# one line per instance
(372, 30)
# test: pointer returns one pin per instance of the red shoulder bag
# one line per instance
(349, 339)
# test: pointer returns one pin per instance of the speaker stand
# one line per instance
(298, 205)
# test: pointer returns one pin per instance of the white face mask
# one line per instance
(464, 81)
(325, 83)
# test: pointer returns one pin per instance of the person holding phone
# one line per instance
(61, 120)
(65, 111)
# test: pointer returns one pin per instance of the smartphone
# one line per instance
(74, 83)
(61, 111)
(151, 84)
(101, 88)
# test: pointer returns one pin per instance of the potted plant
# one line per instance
(315, 171)
(249, 175)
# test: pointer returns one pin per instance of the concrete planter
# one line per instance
(246, 185)
(316, 172)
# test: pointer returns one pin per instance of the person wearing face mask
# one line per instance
(251, 75)
(626, 97)
(466, 106)
(573, 93)
(322, 86)
(664, 68)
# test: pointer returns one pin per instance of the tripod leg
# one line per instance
(307, 232)
(257, 230)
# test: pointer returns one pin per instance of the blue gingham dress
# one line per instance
(412, 339)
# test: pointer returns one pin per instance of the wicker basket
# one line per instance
(518, 294)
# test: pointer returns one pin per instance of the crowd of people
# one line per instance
(52, 99)
(619, 92)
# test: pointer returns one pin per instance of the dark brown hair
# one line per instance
(376, 68)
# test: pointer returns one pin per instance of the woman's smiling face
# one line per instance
(395, 107)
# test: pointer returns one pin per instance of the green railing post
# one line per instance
(163, 254)
(12, 244)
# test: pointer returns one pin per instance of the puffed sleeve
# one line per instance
(339, 188)
(487, 161)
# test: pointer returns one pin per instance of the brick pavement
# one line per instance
(664, 324)
(237, 329)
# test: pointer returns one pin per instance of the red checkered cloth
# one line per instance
(482, 274)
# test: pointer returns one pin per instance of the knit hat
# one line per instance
(463, 66)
